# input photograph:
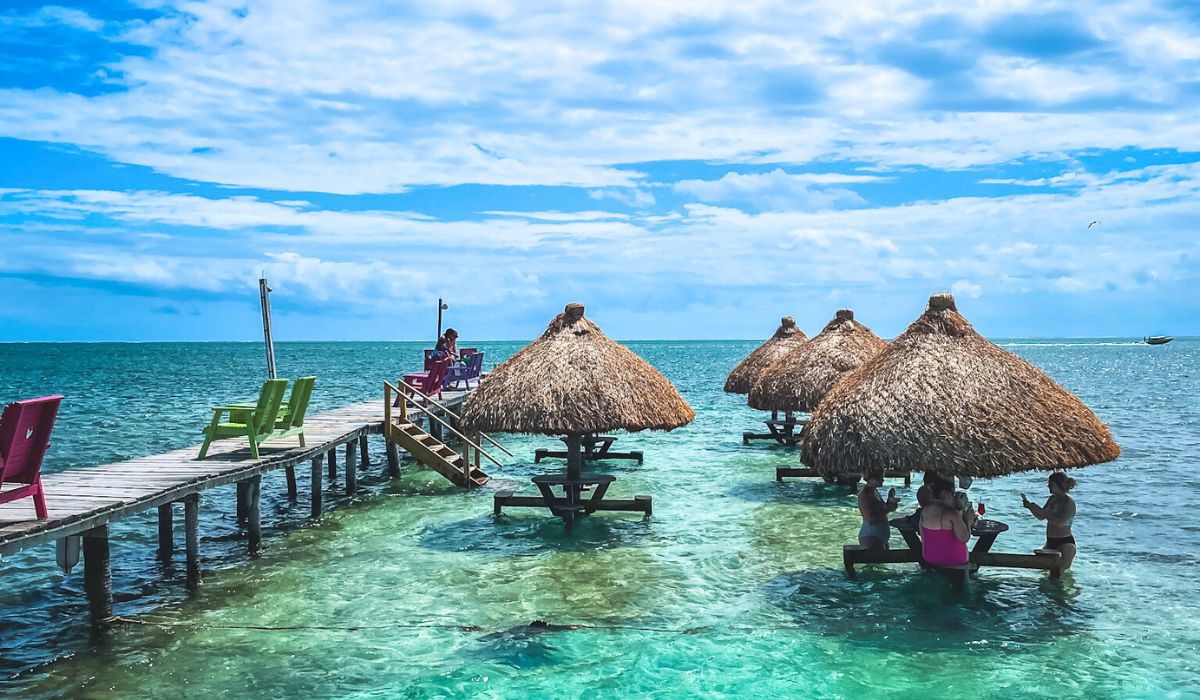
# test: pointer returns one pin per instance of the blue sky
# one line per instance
(686, 170)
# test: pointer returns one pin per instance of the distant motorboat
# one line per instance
(1157, 339)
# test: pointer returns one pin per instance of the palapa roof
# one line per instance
(800, 378)
(943, 398)
(574, 379)
(786, 337)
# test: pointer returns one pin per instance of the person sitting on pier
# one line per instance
(944, 528)
(875, 530)
(447, 346)
(1058, 513)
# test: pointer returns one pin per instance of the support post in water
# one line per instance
(264, 297)
(393, 459)
(315, 473)
(97, 577)
(166, 531)
(291, 482)
(332, 457)
(254, 515)
(362, 451)
(191, 537)
(351, 470)
(241, 503)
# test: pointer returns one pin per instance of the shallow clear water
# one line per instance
(733, 587)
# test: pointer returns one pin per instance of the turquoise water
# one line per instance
(734, 587)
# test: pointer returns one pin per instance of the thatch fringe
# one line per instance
(799, 379)
(786, 337)
(574, 380)
(943, 398)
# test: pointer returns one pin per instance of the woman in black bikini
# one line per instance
(1058, 513)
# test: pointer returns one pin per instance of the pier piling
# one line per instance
(351, 469)
(191, 536)
(241, 504)
(291, 483)
(97, 577)
(332, 457)
(362, 451)
(393, 459)
(316, 486)
(166, 531)
(254, 515)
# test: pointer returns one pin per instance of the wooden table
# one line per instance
(782, 431)
(595, 447)
(980, 555)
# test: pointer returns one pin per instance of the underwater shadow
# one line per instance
(902, 610)
(535, 532)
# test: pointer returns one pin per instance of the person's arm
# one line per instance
(961, 529)
(1038, 512)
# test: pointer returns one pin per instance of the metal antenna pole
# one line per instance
(264, 297)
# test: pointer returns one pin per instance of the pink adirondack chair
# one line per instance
(25, 428)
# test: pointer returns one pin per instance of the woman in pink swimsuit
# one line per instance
(944, 529)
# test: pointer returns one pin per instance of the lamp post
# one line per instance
(442, 306)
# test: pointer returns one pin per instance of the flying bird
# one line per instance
(1093, 224)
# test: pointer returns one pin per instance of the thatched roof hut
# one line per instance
(574, 380)
(798, 380)
(786, 337)
(943, 398)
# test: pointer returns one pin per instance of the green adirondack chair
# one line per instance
(291, 412)
(256, 424)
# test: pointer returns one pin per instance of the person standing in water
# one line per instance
(945, 528)
(1058, 512)
(875, 532)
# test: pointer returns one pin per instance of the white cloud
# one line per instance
(772, 190)
(966, 288)
(358, 97)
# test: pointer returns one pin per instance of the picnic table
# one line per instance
(781, 430)
(985, 530)
(595, 447)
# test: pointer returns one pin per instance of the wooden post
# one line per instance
(291, 482)
(254, 515)
(191, 536)
(393, 459)
(97, 577)
(574, 468)
(332, 457)
(316, 486)
(241, 503)
(166, 531)
(351, 469)
(362, 451)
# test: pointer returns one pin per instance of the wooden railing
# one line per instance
(448, 412)
(389, 393)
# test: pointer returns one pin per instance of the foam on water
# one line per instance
(734, 587)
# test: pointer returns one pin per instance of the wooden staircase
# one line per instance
(463, 469)
(433, 453)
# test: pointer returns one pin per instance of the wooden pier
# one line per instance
(83, 502)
